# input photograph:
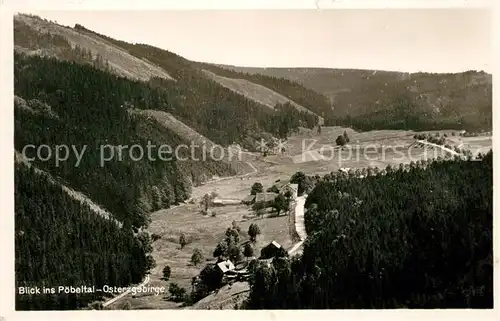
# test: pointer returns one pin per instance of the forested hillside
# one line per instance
(417, 237)
(373, 99)
(89, 105)
(422, 101)
(60, 242)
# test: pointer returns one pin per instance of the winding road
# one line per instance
(451, 151)
(300, 226)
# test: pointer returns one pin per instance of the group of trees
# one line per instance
(210, 277)
(279, 203)
(475, 134)
(415, 237)
(305, 183)
(230, 247)
(287, 119)
(27, 38)
(177, 293)
(207, 201)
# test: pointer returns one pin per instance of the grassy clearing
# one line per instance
(204, 233)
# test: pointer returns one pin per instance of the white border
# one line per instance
(7, 8)
(23, 5)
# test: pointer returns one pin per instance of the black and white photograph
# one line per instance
(334, 159)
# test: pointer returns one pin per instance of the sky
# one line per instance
(410, 40)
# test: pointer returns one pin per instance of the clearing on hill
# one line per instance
(120, 62)
(255, 92)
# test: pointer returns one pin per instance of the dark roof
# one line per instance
(273, 244)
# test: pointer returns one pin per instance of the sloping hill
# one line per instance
(177, 126)
(256, 92)
(373, 99)
(60, 241)
(311, 99)
(41, 37)
(329, 82)
(76, 195)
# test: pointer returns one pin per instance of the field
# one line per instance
(376, 148)
(204, 233)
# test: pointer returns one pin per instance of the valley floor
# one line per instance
(205, 232)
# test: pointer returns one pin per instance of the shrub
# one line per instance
(177, 293)
(182, 240)
(166, 273)
(248, 251)
(257, 188)
(340, 141)
(253, 231)
(273, 189)
(197, 257)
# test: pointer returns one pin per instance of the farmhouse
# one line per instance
(225, 266)
(228, 271)
(271, 250)
(292, 188)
